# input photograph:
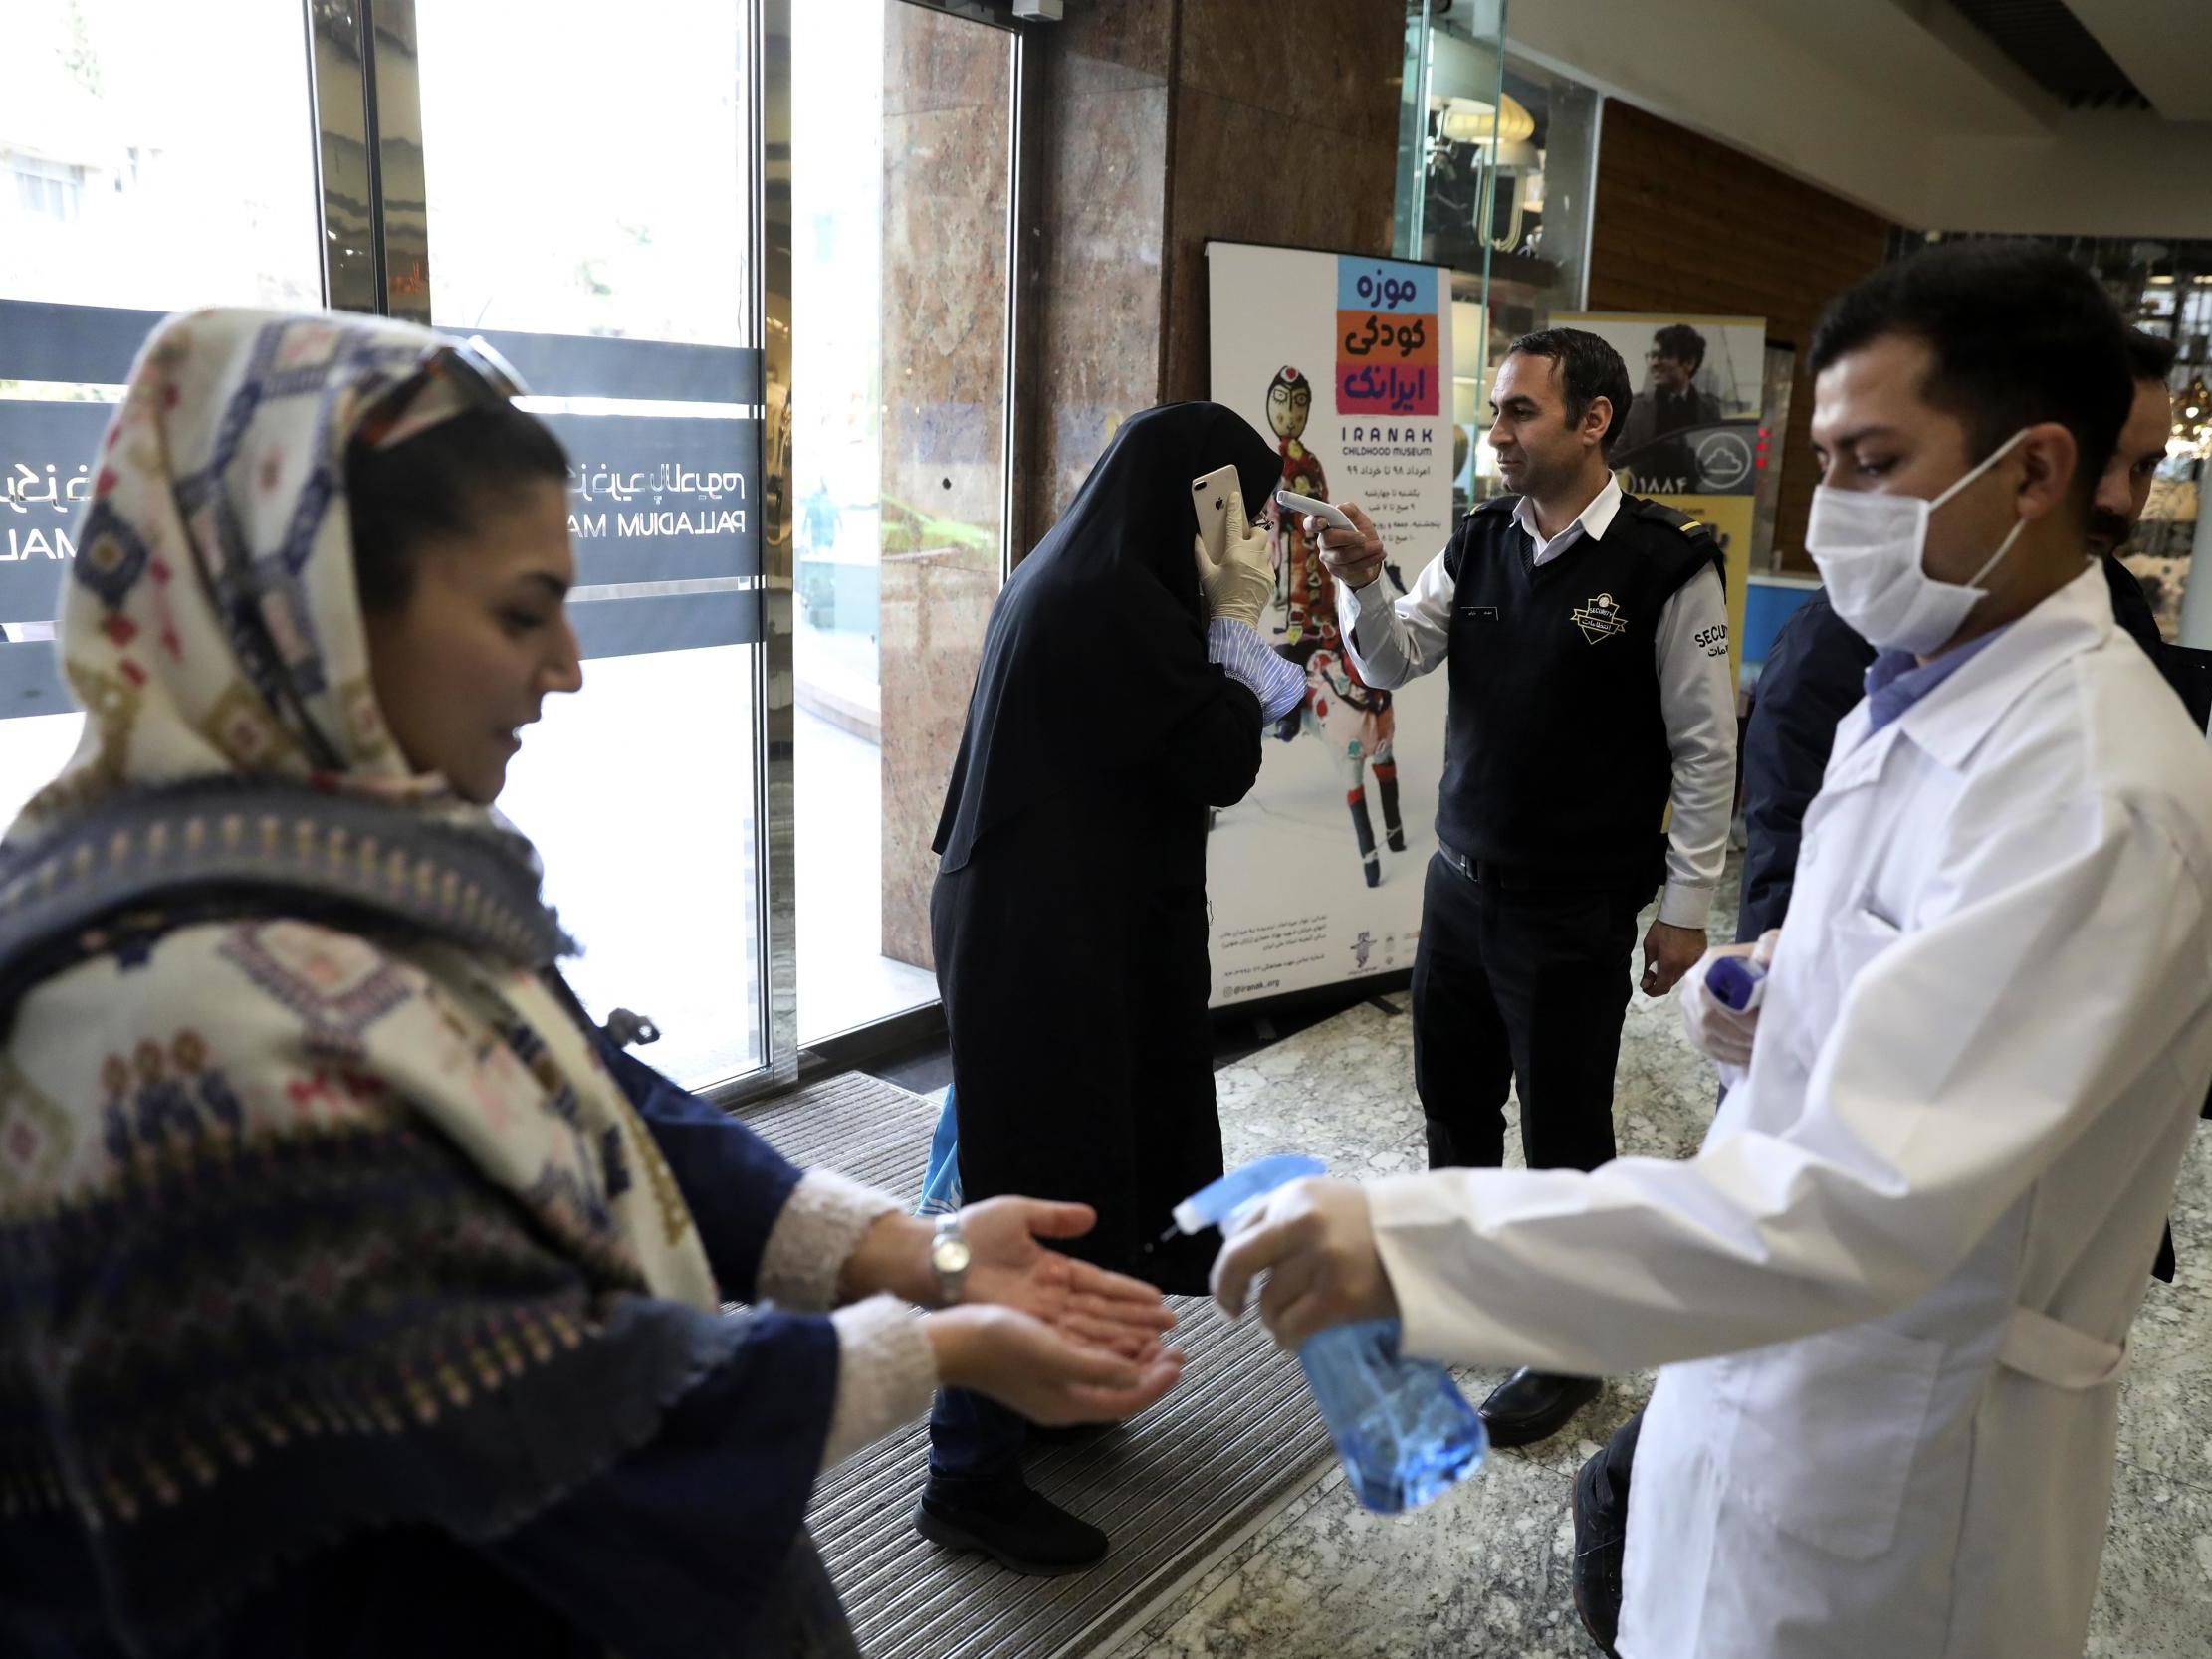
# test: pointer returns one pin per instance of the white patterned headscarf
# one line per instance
(212, 628)
(188, 1080)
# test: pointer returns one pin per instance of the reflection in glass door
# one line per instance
(599, 232)
(115, 159)
(579, 183)
(903, 184)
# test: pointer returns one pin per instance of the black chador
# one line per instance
(1069, 917)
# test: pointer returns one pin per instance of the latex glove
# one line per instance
(1719, 1033)
(1315, 1241)
(1238, 588)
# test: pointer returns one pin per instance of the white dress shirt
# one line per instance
(1395, 643)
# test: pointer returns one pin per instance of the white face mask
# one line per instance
(1869, 547)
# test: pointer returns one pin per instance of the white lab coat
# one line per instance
(1920, 1226)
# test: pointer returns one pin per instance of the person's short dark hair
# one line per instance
(2149, 355)
(438, 483)
(1588, 370)
(1681, 343)
(2019, 333)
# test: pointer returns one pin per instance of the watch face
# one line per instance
(950, 1255)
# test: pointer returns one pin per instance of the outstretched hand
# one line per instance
(1043, 1374)
(1011, 1268)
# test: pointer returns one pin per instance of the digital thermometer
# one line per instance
(1333, 517)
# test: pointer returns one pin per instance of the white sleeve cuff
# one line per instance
(1684, 905)
(1357, 604)
(1278, 683)
(819, 1229)
(886, 1374)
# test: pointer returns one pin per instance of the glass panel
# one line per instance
(114, 160)
(1468, 136)
(1500, 191)
(629, 225)
(1544, 269)
(118, 156)
(630, 220)
(1412, 133)
(902, 196)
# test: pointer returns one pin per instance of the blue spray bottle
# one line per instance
(1402, 1427)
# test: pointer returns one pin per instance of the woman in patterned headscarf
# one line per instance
(356, 1295)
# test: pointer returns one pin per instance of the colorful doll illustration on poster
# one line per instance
(1298, 567)
(1352, 719)
(1357, 724)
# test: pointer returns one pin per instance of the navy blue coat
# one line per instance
(1815, 674)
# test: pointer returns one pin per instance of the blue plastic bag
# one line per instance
(940, 1184)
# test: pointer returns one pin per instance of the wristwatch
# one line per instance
(950, 1257)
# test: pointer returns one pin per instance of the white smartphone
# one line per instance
(1212, 496)
(1330, 516)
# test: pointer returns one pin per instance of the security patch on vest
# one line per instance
(1600, 619)
(1481, 613)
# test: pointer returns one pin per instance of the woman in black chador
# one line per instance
(1122, 693)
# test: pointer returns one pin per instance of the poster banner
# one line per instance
(1694, 437)
(1343, 365)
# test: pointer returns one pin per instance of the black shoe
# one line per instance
(1396, 841)
(1600, 1541)
(1015, 1527)
(1373, 871)
(1529, 1407)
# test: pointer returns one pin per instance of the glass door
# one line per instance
(902, 198)
(126, 191)
(580, 184)
(590, 209)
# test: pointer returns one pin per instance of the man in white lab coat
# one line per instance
(1891, 1292)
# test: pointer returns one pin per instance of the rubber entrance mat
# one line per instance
(1170, 1486)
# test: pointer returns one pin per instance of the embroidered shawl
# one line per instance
(306, 1225)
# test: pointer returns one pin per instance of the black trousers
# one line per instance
(1520, 984)
(975, 1443)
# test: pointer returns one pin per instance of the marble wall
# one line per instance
(1285, 131)
(1150, 127)
(948, 183)
(1161, 124)
(1093, 240)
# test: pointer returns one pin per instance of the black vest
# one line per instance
(1556, 756)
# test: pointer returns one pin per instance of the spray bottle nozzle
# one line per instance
(1214, 1204)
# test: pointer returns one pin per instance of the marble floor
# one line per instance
(1484, 1571)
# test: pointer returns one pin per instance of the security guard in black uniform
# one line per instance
(1586, 636)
